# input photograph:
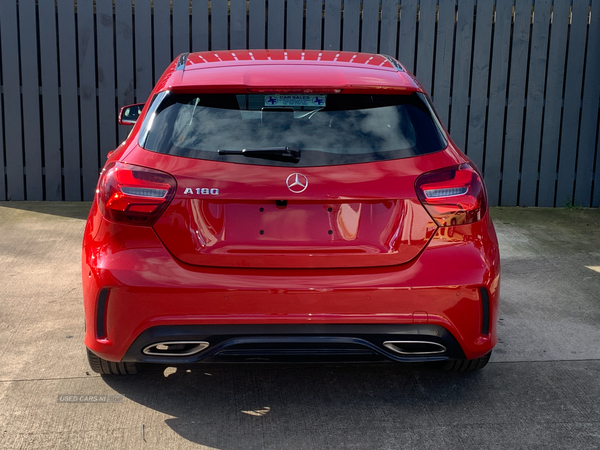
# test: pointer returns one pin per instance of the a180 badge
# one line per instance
(201, 191)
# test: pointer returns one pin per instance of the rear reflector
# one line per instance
(485, 311)
(101, 314)
(453, 195)
(133, 194)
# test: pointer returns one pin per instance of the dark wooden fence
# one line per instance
(516, 81)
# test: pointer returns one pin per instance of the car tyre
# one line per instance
(104, 367)
(466, 365)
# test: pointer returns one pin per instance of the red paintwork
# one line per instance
(225, 234)
(150, 288)
(296, 272)
(193, 227)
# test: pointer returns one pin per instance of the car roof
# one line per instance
(302, 70)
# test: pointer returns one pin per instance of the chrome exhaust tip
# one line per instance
(415, 347)
(175, 348)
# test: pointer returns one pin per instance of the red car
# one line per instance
(275, 205)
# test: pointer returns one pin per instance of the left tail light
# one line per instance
(133, 194)
(453, 195)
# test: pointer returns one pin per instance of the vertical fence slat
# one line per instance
(218, 26)
(181, 27)
(572, 104)
(497, 100)
(535, 103)
(50, 101)
(314, 22)
(256, 24)
(426, 43)
(479, 84)
(144, 77)
(594, 41)
(596, 192)
(106, 79)
(443, 58)
(388, 38)
(31, 100)
(2, 156)
(87, 97)
(370, 26)
(516, 104)
(237, 25)
(124, 48)
(351, 26)
(200, 25)
(333, 25)
(462, 72)
(69, 99)
(12, 101)
(589, 117)
(276, 19)
(295, 11)
(161, 32)
(553, 106)
(408, 34)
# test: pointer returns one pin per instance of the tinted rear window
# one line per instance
(328, 129)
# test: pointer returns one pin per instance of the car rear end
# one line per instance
(291, 205)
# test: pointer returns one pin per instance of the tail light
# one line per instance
(453, 195)
(133, 194)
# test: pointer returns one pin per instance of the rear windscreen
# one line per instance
(327, 129)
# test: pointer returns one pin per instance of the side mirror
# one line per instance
(129, 114)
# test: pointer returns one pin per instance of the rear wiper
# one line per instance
(274, 153)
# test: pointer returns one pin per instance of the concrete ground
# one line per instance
(541, 390)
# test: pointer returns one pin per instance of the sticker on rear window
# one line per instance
(295, 100)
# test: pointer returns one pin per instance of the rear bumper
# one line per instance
(299, 342)
(136, 294)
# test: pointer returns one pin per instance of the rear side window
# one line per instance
(327, 129)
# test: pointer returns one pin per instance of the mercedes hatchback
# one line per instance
(275, 205)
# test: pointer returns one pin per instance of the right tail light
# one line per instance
(453, 195)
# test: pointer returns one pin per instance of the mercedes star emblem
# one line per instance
(297, 183)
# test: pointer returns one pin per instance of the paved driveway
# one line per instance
(541, 390)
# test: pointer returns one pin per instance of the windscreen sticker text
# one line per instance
(317, 101)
